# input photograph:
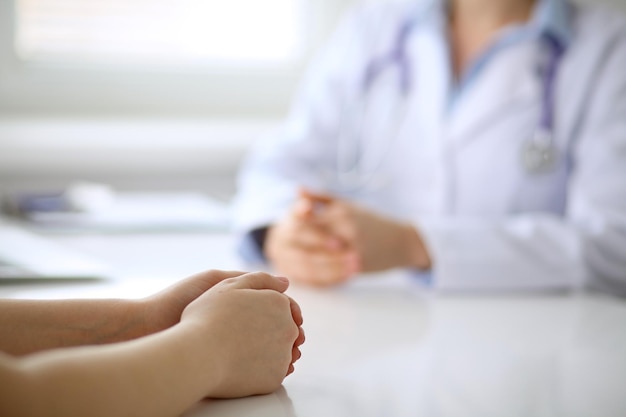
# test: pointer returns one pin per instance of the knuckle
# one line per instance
(290, 333)
(259, 274)
(277, 299)
(230, 281)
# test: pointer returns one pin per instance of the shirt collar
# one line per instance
(553, 17)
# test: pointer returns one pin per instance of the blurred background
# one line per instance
(149, 94)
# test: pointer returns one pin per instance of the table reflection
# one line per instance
(387, 348)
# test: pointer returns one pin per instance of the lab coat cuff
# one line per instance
(478, 254)
(250, 251)
(460, 251)
(434, 235)
(423, 278)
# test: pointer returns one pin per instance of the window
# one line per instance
(162, 91)
(157, 58)
(158, 32)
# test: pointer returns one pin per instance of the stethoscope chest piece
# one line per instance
(539, 153)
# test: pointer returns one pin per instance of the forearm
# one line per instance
(159, 375)
(30, 326)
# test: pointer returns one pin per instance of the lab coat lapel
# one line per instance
(505, 84)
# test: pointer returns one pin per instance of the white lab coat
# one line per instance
(455, 171)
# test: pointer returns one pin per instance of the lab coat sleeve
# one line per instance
(302, 152)
(598, 196)
(585, 247)
(521, 252)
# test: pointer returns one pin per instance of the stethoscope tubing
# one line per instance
(538, 153)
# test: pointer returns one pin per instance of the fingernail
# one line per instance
(283, 279)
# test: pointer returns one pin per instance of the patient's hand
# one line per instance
(251, 332)
(164, 309)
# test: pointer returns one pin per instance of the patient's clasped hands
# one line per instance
(253, 330)
(217, 334)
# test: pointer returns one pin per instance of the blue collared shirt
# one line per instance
(549, 17)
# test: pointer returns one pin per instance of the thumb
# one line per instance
(207, 279)
(190, 288)
(259, 281)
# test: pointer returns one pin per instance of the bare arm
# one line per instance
(28, 326)
(236, 339)
(123, 379)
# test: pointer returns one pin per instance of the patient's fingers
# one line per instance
(296, 312)
(295, 354)
(259, 281)
(301, 338)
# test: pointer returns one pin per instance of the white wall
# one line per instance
(37, 154)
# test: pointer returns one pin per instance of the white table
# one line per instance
(383, 347)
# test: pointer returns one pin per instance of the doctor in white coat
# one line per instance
(480, 143)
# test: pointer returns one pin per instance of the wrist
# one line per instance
(203, 350)
(417, 255)
(139, 320)
(151, 313)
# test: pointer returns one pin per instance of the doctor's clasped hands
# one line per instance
(325, 240)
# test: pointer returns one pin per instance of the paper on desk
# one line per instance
(142, 211)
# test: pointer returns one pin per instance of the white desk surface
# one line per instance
(384, 347)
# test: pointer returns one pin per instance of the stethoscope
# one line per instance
(538, 153)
